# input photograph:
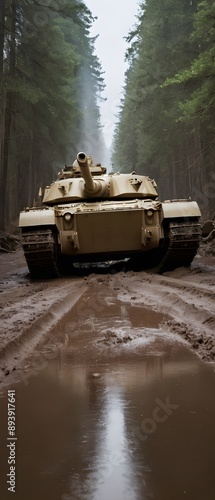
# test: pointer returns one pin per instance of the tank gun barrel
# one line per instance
(90, 184)
(93, 187)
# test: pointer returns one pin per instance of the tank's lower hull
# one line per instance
(176, 248)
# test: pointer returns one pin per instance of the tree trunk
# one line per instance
(7, 122)
(2, 33)
(2, 106)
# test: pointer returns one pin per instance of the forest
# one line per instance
(166, 121)
(50, 86)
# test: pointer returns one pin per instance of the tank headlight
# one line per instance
(150, 213)
(67, 216)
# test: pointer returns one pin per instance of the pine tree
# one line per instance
(45, 52)
(163, 147)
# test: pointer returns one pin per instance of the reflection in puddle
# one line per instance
(121, 411)
(111, 474)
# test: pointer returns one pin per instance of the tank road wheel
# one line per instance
(40, 249)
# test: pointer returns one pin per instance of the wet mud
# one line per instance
(112, 404)
(29, 310)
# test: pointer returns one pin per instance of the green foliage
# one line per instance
(201, 73)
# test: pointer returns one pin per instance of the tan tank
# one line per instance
(90, 216)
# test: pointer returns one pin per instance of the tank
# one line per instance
(88, 215)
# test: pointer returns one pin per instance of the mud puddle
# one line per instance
(112, 407)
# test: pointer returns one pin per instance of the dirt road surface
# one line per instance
(29, 310)
(109, 376)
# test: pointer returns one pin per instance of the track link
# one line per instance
(40, 253)
(184, 239)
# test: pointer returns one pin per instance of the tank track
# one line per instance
(41, 253)
(184, 239)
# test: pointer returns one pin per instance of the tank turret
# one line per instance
(93, 187)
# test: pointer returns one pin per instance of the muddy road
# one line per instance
(113, 374)
(29, 309)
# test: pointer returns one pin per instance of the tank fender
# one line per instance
(35, 217)
(180, 208)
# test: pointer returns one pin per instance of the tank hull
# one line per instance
(165, 235)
